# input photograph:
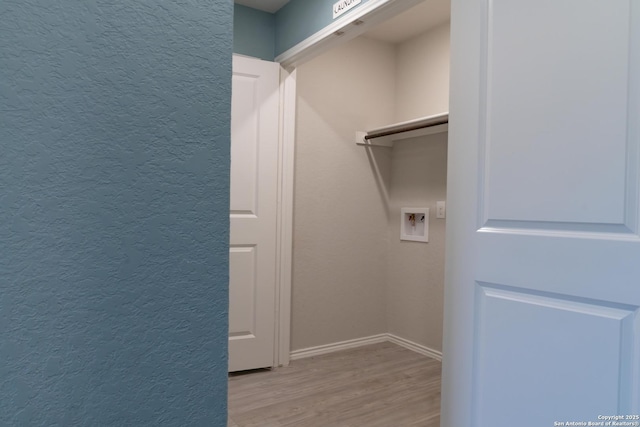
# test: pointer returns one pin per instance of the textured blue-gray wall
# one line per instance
(254, 32)
(114, 161)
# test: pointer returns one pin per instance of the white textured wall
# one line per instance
(352, 276)
(416, 270)
(418, 178)
(423, 74)
(340, 213)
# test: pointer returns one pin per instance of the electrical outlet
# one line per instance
(441, 210)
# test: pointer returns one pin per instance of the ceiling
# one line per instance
(407, 25)
(270, 6)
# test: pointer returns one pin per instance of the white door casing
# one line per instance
(286, 157)
(253, 213)
(543, 246)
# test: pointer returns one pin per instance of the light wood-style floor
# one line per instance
(380, 385)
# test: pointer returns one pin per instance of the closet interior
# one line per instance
(371, 140)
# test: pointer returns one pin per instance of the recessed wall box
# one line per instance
(414, 224)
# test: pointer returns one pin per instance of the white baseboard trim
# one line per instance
(359, 342)
(414, 346)
(337, 346)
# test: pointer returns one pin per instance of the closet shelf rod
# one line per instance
(417, 124)
(387, 135)
(404, 129)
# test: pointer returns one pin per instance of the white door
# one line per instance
(543, 245)
(252, 257)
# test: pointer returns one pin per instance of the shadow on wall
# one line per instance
(380, 162)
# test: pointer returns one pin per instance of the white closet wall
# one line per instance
(352, 276)
(422, 74)
(415, 275)
(340, 218)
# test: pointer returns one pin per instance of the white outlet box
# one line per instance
(441, 210)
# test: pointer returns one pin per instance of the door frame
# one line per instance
(341, 30)
(284, 226)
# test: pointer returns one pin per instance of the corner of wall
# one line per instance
(423, 74)
(418, 178)
(340, 237)
(336, 281)
(254, 32)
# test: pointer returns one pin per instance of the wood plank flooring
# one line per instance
(380, 385)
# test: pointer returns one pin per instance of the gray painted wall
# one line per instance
(114, 133)
(422, 85)
(352, 276)
(415, 293)
(415, 274)
(340, 213)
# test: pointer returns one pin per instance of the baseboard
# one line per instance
(359, 342)
(414, 346)
(337, 346)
